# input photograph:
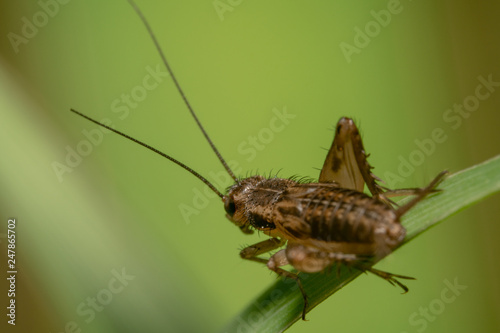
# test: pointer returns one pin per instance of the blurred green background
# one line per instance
(119, 209)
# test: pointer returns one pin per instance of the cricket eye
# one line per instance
(229, 206)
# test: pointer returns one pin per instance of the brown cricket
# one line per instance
(319, 224)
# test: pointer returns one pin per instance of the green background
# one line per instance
(119, 208)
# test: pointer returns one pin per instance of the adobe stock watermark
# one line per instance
(454, 118)
(425, 315)
(31, 26)
(87, 310)
(121, 106)
(373, 28)
(248, 148)
(259, 141)
(225, 6)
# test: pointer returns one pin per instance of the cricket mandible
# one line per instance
(317, 224)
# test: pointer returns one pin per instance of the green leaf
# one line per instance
(281, 305)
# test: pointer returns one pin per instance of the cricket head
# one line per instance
(249, 202)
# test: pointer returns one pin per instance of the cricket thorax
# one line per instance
(251, 201)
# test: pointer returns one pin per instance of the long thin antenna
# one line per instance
(150, 31)
(182, 165)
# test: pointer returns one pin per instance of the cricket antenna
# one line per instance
(162, 55)
(179, 163)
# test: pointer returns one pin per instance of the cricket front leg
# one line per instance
(253, 251)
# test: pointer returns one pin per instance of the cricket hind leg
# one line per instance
(389, 277)
(421, 194)
(364, 263)
(417, 191)
(347, 163)
(307, 259)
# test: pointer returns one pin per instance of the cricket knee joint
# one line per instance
(278, 259)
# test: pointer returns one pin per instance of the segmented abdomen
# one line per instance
(329, 213)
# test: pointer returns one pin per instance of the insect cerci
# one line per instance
(316, 224)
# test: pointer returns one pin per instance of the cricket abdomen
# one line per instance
(329, 213)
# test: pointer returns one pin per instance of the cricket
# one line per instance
(312, 225)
